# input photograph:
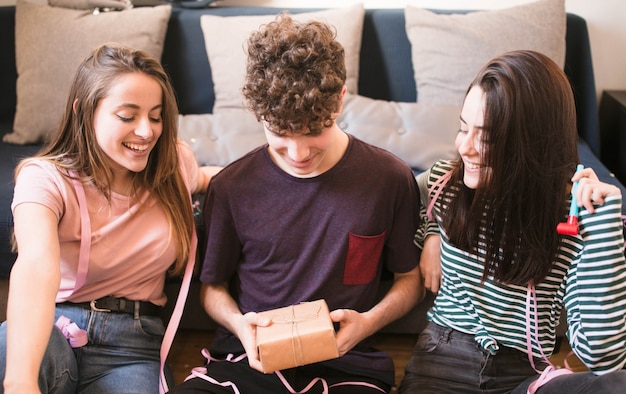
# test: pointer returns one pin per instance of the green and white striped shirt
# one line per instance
(588, 278)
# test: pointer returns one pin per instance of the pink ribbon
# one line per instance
(201, 372)
(76, 336)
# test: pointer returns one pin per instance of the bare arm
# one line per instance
(430, 262)
(407, 290)
(205, 174)
(219, 304)
(30, 314)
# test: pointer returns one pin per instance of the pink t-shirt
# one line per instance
(131, 248)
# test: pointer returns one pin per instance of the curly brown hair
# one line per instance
(295, 75)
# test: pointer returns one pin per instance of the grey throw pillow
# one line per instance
(51, 42)
(448, 50)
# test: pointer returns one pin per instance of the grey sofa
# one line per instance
(385, 73)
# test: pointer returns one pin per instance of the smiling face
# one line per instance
(304, 155)
(469, 141)
(127, 124)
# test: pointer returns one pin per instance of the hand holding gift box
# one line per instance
(299, 334)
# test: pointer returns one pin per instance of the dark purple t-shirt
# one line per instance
(280, 240)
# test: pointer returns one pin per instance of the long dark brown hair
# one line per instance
(74, 147)
(529, 147)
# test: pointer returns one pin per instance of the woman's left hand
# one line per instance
(591, 190)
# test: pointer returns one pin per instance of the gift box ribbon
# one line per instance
(294, 318)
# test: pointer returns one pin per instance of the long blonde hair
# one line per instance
(74, 147)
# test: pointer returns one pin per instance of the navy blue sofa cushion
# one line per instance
(8, 73)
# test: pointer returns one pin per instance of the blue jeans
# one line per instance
(122, 355)
(448, 361)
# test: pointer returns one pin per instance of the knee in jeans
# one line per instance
(613, 382)
(58, 368)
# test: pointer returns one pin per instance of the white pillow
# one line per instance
(448, 50)
(50, 44)
(225, 38)
(223, 137)
(418, 133)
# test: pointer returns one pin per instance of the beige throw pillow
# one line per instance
(51, 42)
(448, 50)
(418, 133)
(222, 137)
(225, 38)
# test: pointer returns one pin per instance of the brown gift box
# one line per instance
(299, 334)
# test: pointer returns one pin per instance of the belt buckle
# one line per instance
(93, 307)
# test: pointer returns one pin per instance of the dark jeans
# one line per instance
(448, 361)
(223, 375)
(122, 355)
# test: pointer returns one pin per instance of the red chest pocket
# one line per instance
(362, 259)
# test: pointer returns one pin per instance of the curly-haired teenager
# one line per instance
(505, 273)
(313, 214)
(102, 213)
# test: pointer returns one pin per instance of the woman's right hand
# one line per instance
(430, 263)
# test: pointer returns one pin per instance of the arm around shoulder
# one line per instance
(205, 175)
(198, 176)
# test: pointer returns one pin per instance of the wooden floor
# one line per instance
(185, 353)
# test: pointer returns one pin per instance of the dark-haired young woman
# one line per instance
(492, 253)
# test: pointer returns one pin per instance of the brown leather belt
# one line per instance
(120, 305)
